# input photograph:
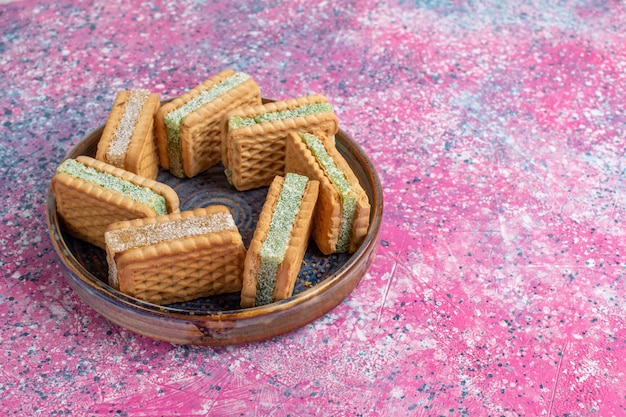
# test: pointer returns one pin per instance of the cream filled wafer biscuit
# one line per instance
(188, 128)
(128, 140)
(91, 194)
(342, 214)
(280, 240)
(253, 138)
(176, 257)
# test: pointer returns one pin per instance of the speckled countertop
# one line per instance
(498, 131)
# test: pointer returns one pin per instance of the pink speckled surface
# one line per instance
(498, 130)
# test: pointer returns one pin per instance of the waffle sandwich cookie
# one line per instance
(253, 138)
(128, 140)
(91, 194)
(342, 213)
(177, 257)
(280, 240)
(188, 127)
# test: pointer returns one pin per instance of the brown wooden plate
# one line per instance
(323, 282)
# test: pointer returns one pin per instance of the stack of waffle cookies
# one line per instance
(159, 254)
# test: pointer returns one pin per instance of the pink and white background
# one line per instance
(498, 130)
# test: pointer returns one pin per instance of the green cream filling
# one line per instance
(276, 242)
(229, 175)
(174, 118)
(349, 197)
(110, 182)
(236, 122)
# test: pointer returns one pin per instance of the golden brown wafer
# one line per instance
(128, 140)
(86, 209)
(254, 154)
(177, 257)
(327, 217)
(287, 272)
(199, 137)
